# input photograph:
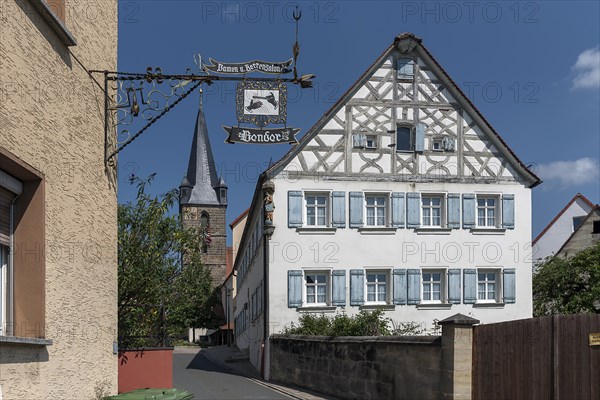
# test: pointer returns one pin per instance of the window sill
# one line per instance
(488, 231)
(488, 305)
(316, 309)
(384, 307)
(377, 230)
(317, 230)
(55, 23)
(434, 306)
(432, 231)
(15, 340)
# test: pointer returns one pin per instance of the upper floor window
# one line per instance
(431, 211)
(316, 209)
(487, 211)
(371, 142)
(376, 210)
(406, 68)
(404, 138)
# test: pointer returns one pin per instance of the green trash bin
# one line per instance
(159, 394)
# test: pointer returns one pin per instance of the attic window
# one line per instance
(371, 142)
(405, 68)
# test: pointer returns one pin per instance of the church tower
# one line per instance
(203, 199)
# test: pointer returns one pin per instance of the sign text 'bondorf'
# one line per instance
(261, 136)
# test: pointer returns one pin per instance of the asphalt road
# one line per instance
(196, 374)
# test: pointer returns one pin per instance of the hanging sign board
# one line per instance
(261, 136)
(275, 68)
(261, 102)
(595, 339)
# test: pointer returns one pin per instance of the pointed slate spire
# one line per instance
(201, 174)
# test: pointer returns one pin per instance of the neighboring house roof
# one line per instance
(239, 218)
(410, 40)
(565, 208)
(594, 211)
(201, 174)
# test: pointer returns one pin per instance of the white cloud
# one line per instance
(570, 173)
(588, 69)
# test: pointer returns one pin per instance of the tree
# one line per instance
(159, 294)
(568, 285)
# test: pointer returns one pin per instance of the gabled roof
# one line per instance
(201, 173)
(592, 212)
(565, 208)
(239, 218)
(406, 42)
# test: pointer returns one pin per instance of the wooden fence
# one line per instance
(537, 358)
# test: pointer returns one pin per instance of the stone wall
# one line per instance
(360, 367)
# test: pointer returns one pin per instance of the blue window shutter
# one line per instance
(414, 286)
(294, 208)
(454, 286)
(470, 286)
(453, 210)
(468, 210)
(398, 210)
(357, 287)
(400, 287)
(356, 209)
(420, 137)
(509, 285)
(508, 211)
(413, 210)
(338, 297)
(294, 288)
(338, 209)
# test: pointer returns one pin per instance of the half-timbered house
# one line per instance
(401, 197)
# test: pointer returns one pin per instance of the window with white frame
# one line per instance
(436, 145)
(376, 205)
(316, 284)
(433, 286)
(432, 210)
(488, 285)
(377, 287)
(317, 209)
(487, 211)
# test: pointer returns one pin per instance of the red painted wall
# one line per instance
(145, 368)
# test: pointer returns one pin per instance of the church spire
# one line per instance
(200, 182)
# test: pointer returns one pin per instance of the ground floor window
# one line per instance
(487, 285)
(377, 287)
(433, 286)
(316, 288)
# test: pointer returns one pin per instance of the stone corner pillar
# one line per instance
(457, 356)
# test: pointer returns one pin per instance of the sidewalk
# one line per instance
(237, 361)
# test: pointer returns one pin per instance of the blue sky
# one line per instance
(532, 69)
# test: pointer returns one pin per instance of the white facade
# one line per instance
(410, 203)
(551, 239)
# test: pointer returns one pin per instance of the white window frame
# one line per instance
(374, 139)
(377, 273)
(443, 285)
(497, 285)
(4, 288)
(437, 141)
(496, 208)
(385, 207)
(442, 207)
(327, 207)
(305, 285)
